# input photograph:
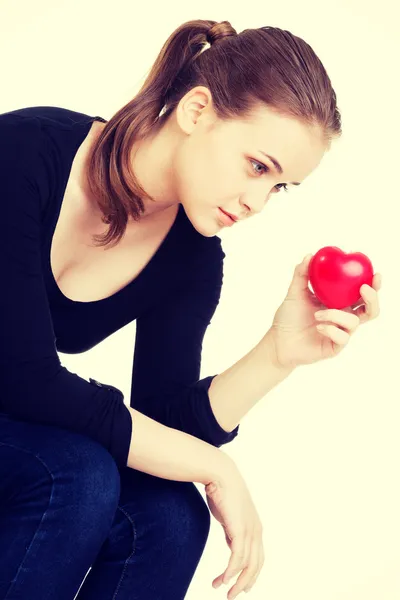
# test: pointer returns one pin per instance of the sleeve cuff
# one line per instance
(122, 435)
(216, 434)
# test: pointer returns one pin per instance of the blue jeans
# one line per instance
(73, 525)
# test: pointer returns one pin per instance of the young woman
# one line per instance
(106, 222)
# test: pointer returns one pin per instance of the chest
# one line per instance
(84, 272)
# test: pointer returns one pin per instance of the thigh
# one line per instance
(155, 542)
(58, 495)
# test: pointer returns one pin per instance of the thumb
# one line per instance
(300, 276)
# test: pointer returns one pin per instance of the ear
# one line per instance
(196, 104)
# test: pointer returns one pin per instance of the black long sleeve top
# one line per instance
(172, 300)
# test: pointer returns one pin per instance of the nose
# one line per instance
(255, 204)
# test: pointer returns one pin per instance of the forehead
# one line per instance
(265, 122)
(296, 145)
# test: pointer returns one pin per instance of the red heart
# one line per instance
(336, 277)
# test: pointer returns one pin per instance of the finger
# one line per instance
(247, 556)
(377, 281)
(217, 582)
(371, 299)
(248, 573)
(300, 276)
(236, 561)
(243, 564)
(370, 308)
(238, 587)
(348, 320)
(338, 336)
(260, 565)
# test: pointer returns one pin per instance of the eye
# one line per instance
(266, 169)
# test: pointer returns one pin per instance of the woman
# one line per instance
(88, 483)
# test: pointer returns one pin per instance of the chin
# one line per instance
(206, 229)
(211, 233)
(206, 224)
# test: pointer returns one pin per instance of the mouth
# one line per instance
(224, 218)
(233, 218)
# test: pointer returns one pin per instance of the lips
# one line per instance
(225, 219)
(229, 215)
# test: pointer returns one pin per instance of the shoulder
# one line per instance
(38, 144)
(23, 173)
(43, 116)
(42, 129)
(18, 137)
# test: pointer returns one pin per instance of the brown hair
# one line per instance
(268, 66)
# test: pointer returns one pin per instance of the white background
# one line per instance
(320, 452)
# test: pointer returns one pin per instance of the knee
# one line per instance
(195, 516)
(183, 517)
(92, 477)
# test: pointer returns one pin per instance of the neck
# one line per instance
(151, 161)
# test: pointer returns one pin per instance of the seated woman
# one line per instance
(107, 222)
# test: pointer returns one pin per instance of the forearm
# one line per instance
(171, 454)
(235, 391)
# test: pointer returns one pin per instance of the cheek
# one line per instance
(193, 177)
(204, 177)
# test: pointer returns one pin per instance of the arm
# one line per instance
(172, 454)
(35, 387)
(167, 357)
(235, 391)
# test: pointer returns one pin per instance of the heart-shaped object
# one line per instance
(336, 277)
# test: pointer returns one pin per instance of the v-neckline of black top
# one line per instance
(140, 277)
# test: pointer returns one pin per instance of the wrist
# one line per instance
(268, 347)
(223, 469)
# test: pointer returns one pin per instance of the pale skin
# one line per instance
(204, 164)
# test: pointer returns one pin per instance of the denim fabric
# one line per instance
(73, 525)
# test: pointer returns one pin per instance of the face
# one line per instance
(218, 164)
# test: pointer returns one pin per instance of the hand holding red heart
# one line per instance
(294, 334)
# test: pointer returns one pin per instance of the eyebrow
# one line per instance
(278, 166)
